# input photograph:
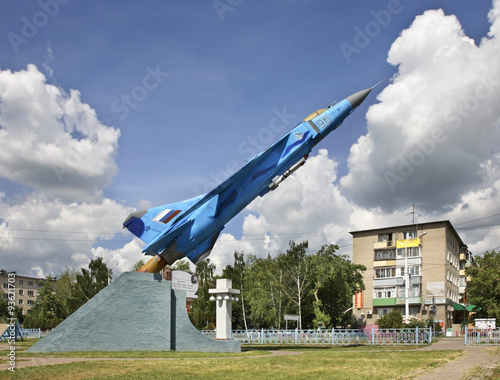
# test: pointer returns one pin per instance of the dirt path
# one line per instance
(23, 362)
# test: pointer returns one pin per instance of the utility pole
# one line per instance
(407, 280)
(413, 213)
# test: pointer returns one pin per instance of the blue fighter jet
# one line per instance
(191, 227)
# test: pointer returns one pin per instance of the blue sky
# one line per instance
(185, 92)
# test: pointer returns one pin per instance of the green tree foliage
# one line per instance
(336, 279)
(182, 265)
(4, 310)
(58, 299)
(89, 282)
(48, 311)
(264, 292)
(317, 287)
(483, 290)
(392, 320)
(237, 274)
(296, 279)
(138, 265)
(202, 313)
(63, 289)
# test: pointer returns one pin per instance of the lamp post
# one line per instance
(407, 280)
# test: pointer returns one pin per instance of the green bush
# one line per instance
(393, 320)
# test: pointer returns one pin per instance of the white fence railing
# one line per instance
(31, 333)
(482, 336)
(414, 336)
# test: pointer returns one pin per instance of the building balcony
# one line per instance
(384, 263)
(377, 302)
(380, 244)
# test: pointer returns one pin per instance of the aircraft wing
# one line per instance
(277, 146)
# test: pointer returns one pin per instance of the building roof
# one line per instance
(416, 226)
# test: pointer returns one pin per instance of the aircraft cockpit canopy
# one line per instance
(314, 114)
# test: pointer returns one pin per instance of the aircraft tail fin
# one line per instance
(148, 224)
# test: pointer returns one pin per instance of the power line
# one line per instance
(475, 220)
(63, 231)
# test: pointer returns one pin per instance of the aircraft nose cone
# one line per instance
(357, 98)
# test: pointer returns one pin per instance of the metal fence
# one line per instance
(31, 333)
(334, 337)
(34, 333)
(482, 336)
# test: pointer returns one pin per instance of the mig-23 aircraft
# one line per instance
(191, 227)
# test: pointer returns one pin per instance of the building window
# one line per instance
(21, 292)
(414, 291)
(21, 282)
(31, 293)
(412, 252)
(31, 303)
(5, 286)
(382, 312)
(385, 272)
(384, 237)
(384, 293)
(385, 254)
(414, 311)
(414, 270)
(21, 302)
(31, 283)
(409, 235)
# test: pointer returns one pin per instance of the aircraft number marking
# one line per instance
(323, 122)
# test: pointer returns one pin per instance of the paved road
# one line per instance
(476, 363)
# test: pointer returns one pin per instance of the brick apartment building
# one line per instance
(26, 289)
(436, 261)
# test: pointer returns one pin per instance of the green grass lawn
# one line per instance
(306, 363)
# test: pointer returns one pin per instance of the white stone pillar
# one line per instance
(224, 296)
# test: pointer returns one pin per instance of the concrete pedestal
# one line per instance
(136, 312)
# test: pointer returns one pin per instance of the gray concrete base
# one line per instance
(136, 312)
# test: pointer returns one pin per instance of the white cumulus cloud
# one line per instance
(51, 141)
(437, 123)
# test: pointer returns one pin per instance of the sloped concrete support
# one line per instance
(136, 312)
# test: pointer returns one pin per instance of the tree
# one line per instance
(202, 313)
(48, 311)
(483, 290)
(138, 265)
(89, 282)
(4, 310)
(264, 291)
(237, 274)
(62, 287)
(392, 320)
(336, 279)
(296, 277)
(182, 265)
